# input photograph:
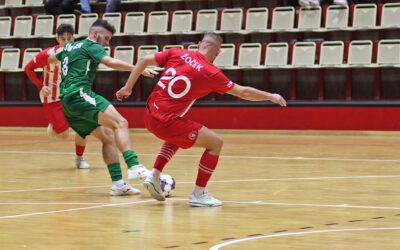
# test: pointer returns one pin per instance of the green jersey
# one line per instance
(79, 61)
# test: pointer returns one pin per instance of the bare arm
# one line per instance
(53, 59)
(116, 64)
(144, 62)
(252, 94)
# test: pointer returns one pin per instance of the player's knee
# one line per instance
(218, 142)
(122, 123)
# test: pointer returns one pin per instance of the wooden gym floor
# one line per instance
(281, 190)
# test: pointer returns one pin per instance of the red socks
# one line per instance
(79, 150)
(167, 151)
(208, 163)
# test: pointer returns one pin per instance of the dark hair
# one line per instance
(104, 24)
(64, 28)
(213, 35)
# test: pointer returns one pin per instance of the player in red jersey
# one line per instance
(187, 76)
(49, 90)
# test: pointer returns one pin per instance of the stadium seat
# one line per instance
(360, 53)
(304, 54)
(276, 54)
(5, 26)
(115, 19)
(256, 19)
(231, 19)
(337, 17)
(10, 59)
(145, 50)
(85, 21)
(68, 19)
(134, 22)
(309, 18)
(227, 56)
(390, 15)
(33, 2)
(23, 26)
(283, 18)
(331, 53)
(166, 47)
(158, 22)
(29, 53)
(206, 20)
(193, 47)
(182, 21)
(364, 16)
(389, 52)
(249, 55)
(13, 3)
(125, 53)
(44, 26)
(103, 67)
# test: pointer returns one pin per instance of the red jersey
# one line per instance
(51, 74)
(187, 76)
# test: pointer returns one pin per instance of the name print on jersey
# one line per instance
(69, 47)
(193, 63)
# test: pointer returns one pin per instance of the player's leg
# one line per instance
(212, 143)
(80, 146)
(110, 156)
(112, 119)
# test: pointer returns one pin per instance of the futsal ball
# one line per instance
(167, 184)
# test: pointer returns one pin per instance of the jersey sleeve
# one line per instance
(162, 57)
(220, 83)
(96, 52)
(39, 61)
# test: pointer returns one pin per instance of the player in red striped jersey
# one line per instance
(49, 91)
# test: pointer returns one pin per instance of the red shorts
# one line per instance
(55, 115)
(179, 131)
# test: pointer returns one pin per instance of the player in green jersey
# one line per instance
(90, 113)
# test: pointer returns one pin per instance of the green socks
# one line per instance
(115, 171)
(130, 158)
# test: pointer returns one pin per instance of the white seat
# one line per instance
(33, 2)
(182, 21)
(206, 20)
(10, 59)
(13, 3)
(23, 26)
(283, 18)
(134, 22)
(170, 46)
(249, 55)
(310, 18)
(364, 16)
(29, 53)
(331, 53)
(360, 52)
(226, 57)
(231, 19)
(5, 26)
(125, 53)
(256, 19)
(303, 54)
(103, 67)
(389, 52)
(114, 19)
(390, 15)
(145, 50)
(276, 54)
(68, 19)
(158, 22)
(193, 47)
(85, 21)
(337, 17)
(44, 25)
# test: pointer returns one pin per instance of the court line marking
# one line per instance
(224, 244)
(73, 209)
(222, 181)
(226, 156)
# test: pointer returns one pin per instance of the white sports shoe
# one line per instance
(340, 2)
(81, 163)
(153, 186)
(204, 200)
(124, 189)
(50, 131)
(138, 172)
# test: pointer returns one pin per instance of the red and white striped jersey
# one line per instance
(51, 74)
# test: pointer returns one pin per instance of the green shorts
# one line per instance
(81, 108)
